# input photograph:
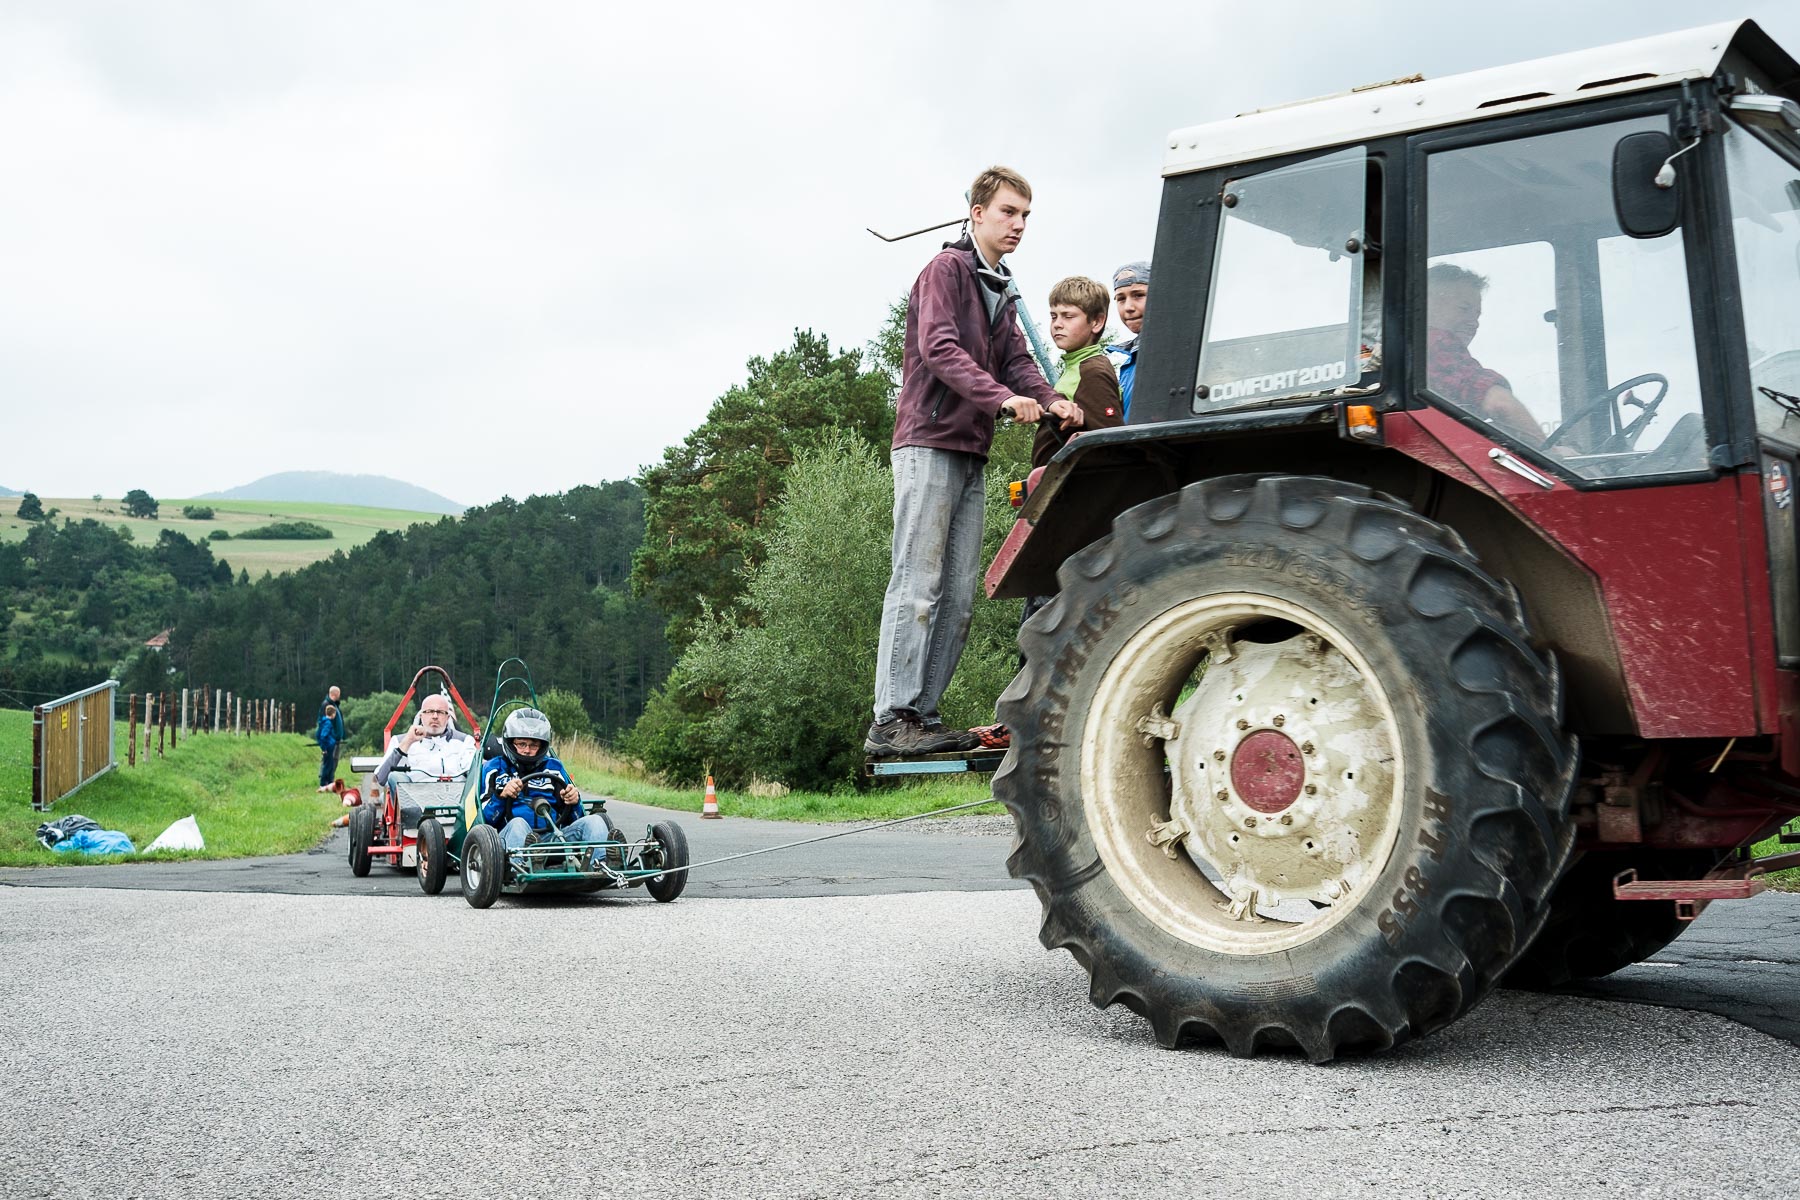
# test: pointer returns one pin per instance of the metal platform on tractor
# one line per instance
(953, 763)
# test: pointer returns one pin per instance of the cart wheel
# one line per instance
(434, 856)
(389, 828)
(483, 866)
(673, 842)
(362, 836)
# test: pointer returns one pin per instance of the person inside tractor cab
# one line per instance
(1452, 317)
(523, 776)
(434, 748)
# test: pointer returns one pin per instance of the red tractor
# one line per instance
(1435, 618)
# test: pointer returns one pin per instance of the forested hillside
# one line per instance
(545, 578)
(78, 598)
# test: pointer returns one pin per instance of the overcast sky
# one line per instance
(503, 249)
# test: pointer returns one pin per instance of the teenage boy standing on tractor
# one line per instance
(966, 362)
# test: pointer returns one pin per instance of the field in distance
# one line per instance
(350, 526)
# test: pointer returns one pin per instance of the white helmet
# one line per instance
(525, 723)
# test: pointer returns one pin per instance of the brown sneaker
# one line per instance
(893, 738)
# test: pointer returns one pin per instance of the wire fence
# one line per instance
(73, 738)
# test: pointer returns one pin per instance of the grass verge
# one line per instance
(1780, 881)
(597, 770)
(250, 796)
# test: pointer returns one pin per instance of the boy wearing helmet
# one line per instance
(523, 775)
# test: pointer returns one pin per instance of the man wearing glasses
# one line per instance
(432, 749)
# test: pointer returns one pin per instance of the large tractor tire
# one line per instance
(1590, 933)
(1286, 770)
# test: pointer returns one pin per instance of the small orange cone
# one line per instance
(710, 810)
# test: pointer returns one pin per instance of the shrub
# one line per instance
(197, 512)
(139, 503)
(219, 535)
(363, 716)
(672, 738)
(785, 691)
(567, 713)
(287, 531)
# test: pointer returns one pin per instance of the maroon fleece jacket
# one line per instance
(960, 367)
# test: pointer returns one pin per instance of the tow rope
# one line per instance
(936, 812)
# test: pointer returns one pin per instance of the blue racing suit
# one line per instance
(517, 818)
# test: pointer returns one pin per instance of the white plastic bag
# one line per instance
(182, 835)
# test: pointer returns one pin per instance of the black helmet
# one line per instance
(525, 723)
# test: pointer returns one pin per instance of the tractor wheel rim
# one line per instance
(1254, 814)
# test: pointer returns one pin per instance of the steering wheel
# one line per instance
(1625, 433)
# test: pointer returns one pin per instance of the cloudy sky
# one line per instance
(504, 249)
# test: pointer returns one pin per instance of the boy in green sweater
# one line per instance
(1077, 321)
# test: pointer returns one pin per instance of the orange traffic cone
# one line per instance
(710, 810)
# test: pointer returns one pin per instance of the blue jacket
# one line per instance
(1124, 360)
(328, 733)
(542, 784)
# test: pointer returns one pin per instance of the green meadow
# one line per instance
(249, 795)
(350, 525)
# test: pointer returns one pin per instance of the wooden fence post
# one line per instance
(162, 721)
(218, 703)
(131, 737)
(149, 711)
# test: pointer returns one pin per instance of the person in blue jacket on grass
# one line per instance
(329, 735)
(523, 775)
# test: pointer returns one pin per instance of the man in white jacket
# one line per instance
(432, 749)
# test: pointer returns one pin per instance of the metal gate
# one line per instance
(71, 742)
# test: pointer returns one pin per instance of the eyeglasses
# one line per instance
(435, 712)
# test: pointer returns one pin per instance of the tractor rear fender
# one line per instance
(1101, 474)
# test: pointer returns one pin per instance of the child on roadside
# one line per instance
(328, 746)
(1077, 320)
(523, 775)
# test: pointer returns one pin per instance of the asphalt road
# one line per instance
(938, 854)
(878, 1020)
(166, 1043)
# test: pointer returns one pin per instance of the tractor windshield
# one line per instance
(1547, 324)
(1285, 318)
(1765, 226)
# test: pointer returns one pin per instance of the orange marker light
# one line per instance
(1360, 420)
(1015, 491)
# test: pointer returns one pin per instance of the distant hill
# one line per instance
(330, 487)
(6, 491)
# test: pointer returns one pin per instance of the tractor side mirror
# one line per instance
(1646, 207)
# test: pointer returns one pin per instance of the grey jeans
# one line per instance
(938, 500)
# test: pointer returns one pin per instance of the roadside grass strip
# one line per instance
(1781, 881)
(597, 770)
(250, 796)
